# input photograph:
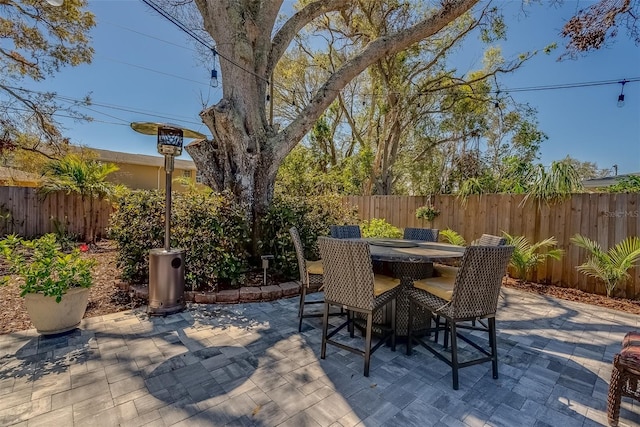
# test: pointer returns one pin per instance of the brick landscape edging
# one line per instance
(230, 296)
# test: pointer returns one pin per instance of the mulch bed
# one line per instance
(614, 303)
(107, 297)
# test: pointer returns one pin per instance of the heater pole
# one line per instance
(168, 167)
(166, 265)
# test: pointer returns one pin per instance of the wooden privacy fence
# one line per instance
(25, 212)
(603, 217)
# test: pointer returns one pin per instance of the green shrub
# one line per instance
(378, 227)
(137, 226)
(611, 267)
(44, 268)
(312, 216)
(210, 227)
(526, 256)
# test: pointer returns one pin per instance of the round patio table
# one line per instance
(408, 260)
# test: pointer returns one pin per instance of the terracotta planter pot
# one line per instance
(50, 317)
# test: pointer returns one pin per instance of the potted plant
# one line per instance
(55, 284)
(427, 212)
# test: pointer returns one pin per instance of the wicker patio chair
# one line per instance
(625, 376)
(474, 295)
(423, 234)
(484, 240)
(349, 282)
(310, 278)
(490, 240)
(345, 231)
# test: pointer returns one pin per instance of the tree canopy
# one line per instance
(38, 39)
(593, 26)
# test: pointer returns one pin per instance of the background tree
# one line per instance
(86, 177)
(594, 25)
(586, 170)
(405, 105)
(246, 149)
(38, 39)
(555, 184)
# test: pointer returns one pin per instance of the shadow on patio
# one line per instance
(246, 364)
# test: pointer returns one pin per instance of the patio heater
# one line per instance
(166, 265)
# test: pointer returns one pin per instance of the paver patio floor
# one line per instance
(246, 364)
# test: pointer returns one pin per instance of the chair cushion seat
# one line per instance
(314, 267)
(441, 270)
(631, 339)
(630, 354)
(382, 284)
(441, 287)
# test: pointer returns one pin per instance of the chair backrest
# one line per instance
(490, 240)
(423, 234)
(345, 231)
(478, 281)
(302, 265)
(348, 274)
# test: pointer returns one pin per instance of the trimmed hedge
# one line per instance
(210, 227)
(312, 216)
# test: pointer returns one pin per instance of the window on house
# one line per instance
(186, 174)
(198, 177)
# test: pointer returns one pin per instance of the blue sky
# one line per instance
(137, 76)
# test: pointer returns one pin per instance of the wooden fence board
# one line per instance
(24, 212)
(592, 215)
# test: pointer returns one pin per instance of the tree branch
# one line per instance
(286, 140)
(283, 37)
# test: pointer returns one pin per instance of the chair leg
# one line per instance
(494, 346)
(351, 326)
(615, 395)
(303, 296)
(446, 334)
(325, 329)
(410, 328)
(454, 353)
(394, 303)
(367, 344)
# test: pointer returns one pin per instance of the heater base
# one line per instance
(166, 281)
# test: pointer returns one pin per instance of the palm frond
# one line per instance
(452, 237)
(527, 256)
(610, 267)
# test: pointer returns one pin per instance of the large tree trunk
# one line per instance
(234, 162)
(246, 151)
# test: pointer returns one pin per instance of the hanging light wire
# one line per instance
(199, 39)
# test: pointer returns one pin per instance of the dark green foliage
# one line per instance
(210, 227)
(628, 184)
(380, 228)
(312, 216)
(213, 230)
(137, 226)
(43, 267)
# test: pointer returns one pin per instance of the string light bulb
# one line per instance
(214, 77)
(621, 96)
